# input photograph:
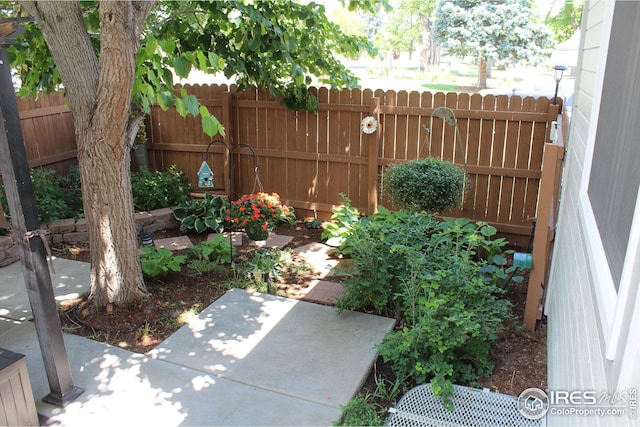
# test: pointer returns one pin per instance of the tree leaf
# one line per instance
(181, 66)
(211, 126)
(191, 104)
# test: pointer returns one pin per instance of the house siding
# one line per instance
(576, 347)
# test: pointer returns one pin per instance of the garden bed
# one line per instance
(519, 357)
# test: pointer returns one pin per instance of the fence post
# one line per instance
(372, 171)
(545, 231)
(226, 121)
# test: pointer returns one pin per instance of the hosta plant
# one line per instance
(156, 262)
(202, 214)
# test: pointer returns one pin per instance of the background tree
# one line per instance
(565, 23)
(114, 68)
(409, 27)
(498, 31)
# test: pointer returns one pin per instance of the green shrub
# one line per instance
(378, 246)
(155, 190)
(359, 412)
(202, 214)
(72, 179)
(432, 185)
(443, 281)
(53, 201)
(156, 262)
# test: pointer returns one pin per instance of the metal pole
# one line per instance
(30, 242)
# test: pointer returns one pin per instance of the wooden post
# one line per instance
(545, 230)
(30, 242)
(372, 171)
(228, 138)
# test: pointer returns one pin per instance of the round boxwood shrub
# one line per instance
(431, 185)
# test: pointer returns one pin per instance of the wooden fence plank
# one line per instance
(497, 151)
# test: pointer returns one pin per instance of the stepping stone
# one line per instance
(317, 255)
(236, 237)
(342, 267)
(323, 292)
(314, 250)
(177, 243)
(273, 241)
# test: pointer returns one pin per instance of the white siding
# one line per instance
(576, 349)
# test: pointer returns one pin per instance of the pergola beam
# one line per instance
(28, 236)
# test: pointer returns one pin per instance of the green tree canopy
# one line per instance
(567, 20)
(501, 31)
(116, 59)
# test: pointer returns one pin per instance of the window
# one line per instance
(615, 169)
(610, 198)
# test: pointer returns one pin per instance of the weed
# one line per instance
(146, 331)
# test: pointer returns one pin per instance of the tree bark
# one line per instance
(99, 93)
(482, 74)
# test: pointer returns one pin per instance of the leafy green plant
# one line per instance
(155, 190)
(202, 214)
(265, 266)
(442, 280)
(314, 224)
(53, 200)
(432, 185)
(72, 178)
(156, 262)
(198, 267)
(452, 309)
(218, 249)
(343, 219)
(359, 412)
(379, 246)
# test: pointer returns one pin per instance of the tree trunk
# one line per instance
(99, 96)
(482, 74)
(426, 59)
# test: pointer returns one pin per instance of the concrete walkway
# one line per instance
(248, 359)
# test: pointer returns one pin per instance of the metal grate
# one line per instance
(473, 407)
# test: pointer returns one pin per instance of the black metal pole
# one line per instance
(30, 242)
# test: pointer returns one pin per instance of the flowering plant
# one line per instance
(259, 211)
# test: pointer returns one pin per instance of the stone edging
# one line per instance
(72, 231)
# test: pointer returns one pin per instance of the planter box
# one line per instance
(17, 406)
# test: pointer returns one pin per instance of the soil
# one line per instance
(519, 357)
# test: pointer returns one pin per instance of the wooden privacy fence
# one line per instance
(310, 159)
(48, 131)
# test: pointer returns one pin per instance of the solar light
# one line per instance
(558, 71)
